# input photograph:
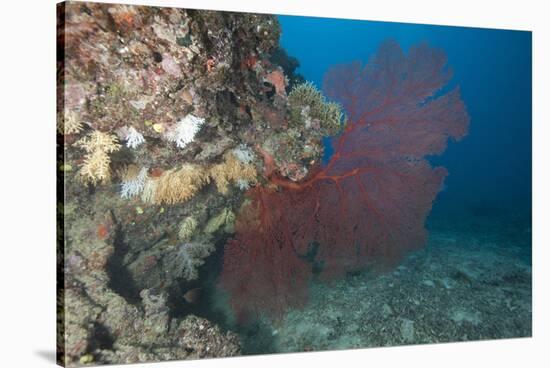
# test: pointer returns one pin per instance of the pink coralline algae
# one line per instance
(170, 66)
(278, 80)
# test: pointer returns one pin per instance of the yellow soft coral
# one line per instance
(129, 172)
(187, 228)
(98, 146)
(225, 218)
(148, 194)
(68, 123)
(232, 170)
(179, 185)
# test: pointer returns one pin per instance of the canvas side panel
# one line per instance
(60, 185)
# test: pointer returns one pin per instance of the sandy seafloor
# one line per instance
(465, 285)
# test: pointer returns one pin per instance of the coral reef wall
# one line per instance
(163, 115)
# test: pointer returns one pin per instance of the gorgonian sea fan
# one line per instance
(368, 204)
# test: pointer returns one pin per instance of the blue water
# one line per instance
(491, 167)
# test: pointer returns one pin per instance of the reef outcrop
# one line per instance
(163, 118)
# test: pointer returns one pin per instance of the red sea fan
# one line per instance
(368, 204)
(262, 270)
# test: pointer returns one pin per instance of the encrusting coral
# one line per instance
(278, 80)
(98, 146)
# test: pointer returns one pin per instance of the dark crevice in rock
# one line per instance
(207, 282)
(120, 279)
(101, 338)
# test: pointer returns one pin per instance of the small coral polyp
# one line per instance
(244, 154)
(191, 256)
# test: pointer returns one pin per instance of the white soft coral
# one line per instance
(243, 154)
(243, 184)
(133, 138)
(134, 186)
(185, 130)
(191, 256)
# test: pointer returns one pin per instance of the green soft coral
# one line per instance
(308, 104)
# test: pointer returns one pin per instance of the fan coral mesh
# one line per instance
(368, 204)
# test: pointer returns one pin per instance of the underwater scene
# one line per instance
(235, 184)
